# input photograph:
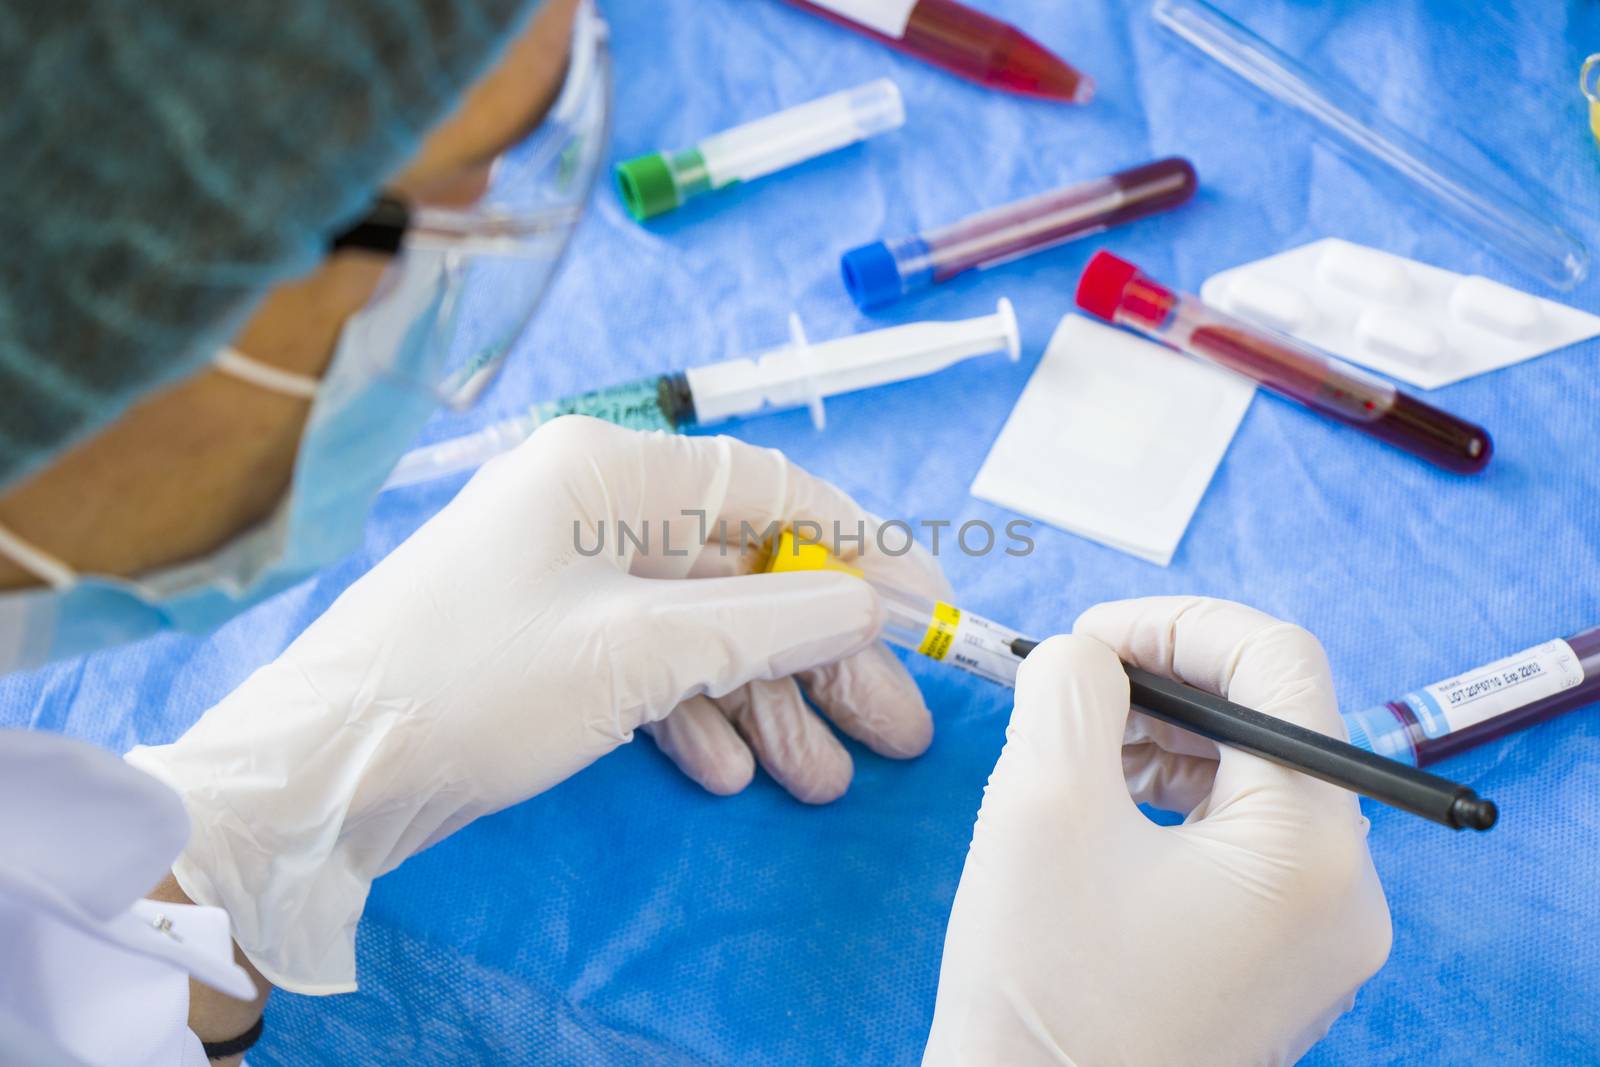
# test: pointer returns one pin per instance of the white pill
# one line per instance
(1495, 307)
(1279, 306)
(1365, 271)
(1399, 336)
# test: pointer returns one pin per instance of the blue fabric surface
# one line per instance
(626, 917)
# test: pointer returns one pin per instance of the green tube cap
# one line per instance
(646, 186)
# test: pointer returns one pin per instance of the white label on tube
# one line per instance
(888, 17)
(1496, 688)
(971, 642)
(803, 132)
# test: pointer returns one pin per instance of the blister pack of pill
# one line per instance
(1411, 321)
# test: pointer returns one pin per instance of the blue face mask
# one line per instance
(359, 425)
(483, 268)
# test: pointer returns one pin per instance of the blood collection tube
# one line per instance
(1433, 723)
(929, 628)
(963, 41)
(658, 182)
(980, 646)
(949, 634)
(880, 273)
(1119, 292)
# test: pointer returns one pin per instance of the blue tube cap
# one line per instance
(872, 276)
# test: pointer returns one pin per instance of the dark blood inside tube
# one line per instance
(1436, 436)
(1403, 421)
(1430, 750)
(970, 43)
(1115, 290)
(1154, 187)
(1272, 365)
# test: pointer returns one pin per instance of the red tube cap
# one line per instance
(1101, 287)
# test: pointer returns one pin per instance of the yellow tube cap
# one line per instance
(789, 553)
(1589, 82)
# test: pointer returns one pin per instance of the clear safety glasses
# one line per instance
(466, 280)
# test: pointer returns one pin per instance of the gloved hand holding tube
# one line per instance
(511, 641)
(1084, 933)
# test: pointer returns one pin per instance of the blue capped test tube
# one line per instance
(880, 273)
(1435, 722)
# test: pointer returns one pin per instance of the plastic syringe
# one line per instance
(658, 182)
(980, 646)
(1120, 293)
(963, 41)
(797, 374)
(882, 272)
(1440, 720)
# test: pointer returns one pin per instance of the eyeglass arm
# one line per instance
(382, 229)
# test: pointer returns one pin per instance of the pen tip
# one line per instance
(1471, 812)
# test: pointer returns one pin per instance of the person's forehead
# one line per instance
(503, 105)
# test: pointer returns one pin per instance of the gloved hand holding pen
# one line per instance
(510, 642)
(1084, 933)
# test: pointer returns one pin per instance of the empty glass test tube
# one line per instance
(658, 182)
(1355, 124)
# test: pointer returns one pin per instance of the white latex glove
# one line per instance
(489, 657)
(1082, 933)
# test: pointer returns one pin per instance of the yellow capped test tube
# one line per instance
(1589, 82)
(979, 646)
(929, 628)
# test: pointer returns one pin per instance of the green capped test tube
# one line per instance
(656, 183)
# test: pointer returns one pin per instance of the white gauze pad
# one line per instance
(1417, 323)
(1115, 438)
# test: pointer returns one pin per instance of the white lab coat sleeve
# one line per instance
(90, 974)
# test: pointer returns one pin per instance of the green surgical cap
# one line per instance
(165, 162)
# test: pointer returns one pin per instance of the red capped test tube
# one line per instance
(1119, 292)
(964, 41)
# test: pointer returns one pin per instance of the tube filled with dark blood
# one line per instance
(882, 272)
(1115, 290)
(1435, 722)
(964, 41)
